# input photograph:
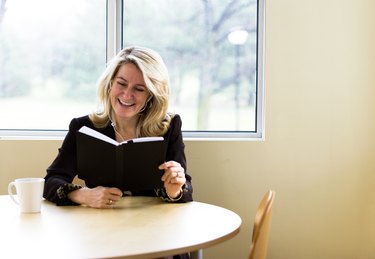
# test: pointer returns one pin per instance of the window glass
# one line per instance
(210, 49)
(51, 54)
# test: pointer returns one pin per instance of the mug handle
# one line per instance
(10, 191)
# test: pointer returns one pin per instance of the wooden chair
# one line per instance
(262, 223)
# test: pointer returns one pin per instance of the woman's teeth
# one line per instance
(126, 103)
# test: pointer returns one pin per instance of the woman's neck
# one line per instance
(125, 130)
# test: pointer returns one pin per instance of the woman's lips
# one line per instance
(127, 104)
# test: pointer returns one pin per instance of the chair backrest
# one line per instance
(262, 223)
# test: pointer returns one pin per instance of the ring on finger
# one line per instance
(110, 201)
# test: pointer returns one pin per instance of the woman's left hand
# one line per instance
(173, 178)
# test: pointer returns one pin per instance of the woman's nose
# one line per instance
(127, 92)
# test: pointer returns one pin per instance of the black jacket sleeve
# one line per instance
(64, 168)
(176, 152)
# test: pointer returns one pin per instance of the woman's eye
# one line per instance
(140, 89)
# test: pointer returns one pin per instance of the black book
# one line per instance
(129, 165)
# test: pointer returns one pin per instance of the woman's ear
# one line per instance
(110, 87)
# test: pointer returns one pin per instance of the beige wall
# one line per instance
(319, 153)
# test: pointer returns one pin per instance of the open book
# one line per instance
(129, 165)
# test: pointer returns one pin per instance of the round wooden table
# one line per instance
(137, 227)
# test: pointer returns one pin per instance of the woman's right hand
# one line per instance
(99, 197)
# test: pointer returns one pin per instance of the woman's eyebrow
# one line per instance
(119, 77)
(123, 79)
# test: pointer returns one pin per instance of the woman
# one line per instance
(134, 94)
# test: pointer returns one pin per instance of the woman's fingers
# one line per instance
(103, 197)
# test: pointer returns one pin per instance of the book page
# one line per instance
(145, 139)
(98, 135)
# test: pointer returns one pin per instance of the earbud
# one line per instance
(110, 119)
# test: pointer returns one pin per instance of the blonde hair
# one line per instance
(154, 119)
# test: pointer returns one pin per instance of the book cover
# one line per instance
(129, 165)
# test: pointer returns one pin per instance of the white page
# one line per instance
(98, 135)
(147, 139)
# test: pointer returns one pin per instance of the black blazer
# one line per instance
(64, 168)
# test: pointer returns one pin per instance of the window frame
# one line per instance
(114, 19)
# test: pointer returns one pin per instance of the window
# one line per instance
(51, 54)
(213, 50)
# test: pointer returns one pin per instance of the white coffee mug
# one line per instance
(29, 193)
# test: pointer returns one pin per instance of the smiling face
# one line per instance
(129, 93)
